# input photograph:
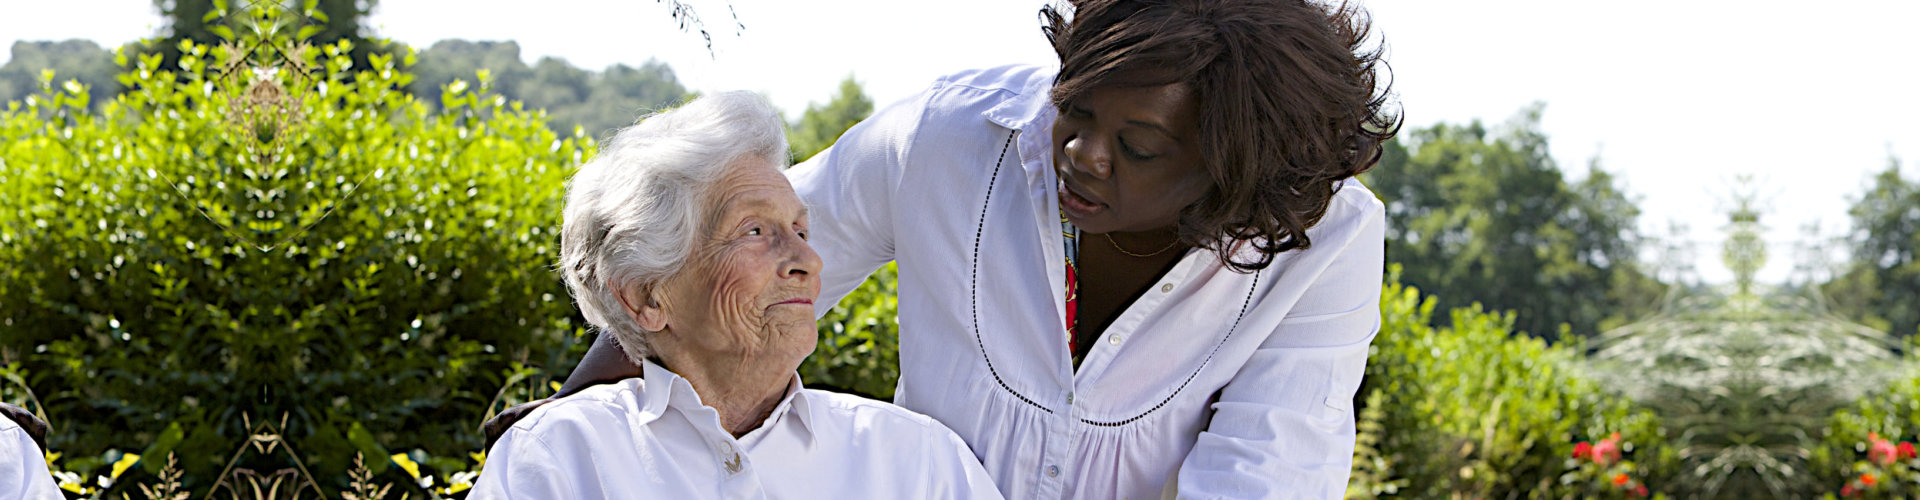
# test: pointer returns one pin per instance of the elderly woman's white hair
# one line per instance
(635, 210)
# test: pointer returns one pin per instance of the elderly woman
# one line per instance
(683, 242)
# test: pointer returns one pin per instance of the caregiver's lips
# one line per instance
(803, 301)
(1077, 204)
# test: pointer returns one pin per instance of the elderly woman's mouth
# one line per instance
(799, 301)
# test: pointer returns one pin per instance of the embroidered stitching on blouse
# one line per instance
(975, 286)
(1196, 371)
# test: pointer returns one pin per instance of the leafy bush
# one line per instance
(1473, 410)
(1851, 460)
(274, 233)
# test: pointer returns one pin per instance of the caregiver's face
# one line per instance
(1129, 158)
(747, 291)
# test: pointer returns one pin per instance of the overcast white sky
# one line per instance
(1676, 97)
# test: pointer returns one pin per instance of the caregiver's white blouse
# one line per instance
(651, 437)
(1238, 384)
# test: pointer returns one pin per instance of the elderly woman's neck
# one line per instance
(743, 391)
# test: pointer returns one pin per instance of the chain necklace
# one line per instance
(1116, 246)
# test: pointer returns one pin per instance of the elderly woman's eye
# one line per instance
(755, 231)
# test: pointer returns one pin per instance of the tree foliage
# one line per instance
(822, 124)
(80, 60)
(596, 101)
(1880, 286)
(1482, 217)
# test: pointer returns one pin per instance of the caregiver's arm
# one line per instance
(1284, 426)
(850, 190)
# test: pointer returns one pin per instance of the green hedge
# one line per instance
(268, 233)
(1845, 457)
(1473, 410)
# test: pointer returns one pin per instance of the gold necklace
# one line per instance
(1116, 246)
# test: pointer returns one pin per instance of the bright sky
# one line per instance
(1677, 98)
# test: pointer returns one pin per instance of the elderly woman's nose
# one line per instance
(801, 259)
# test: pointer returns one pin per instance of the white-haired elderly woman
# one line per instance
(683, 241)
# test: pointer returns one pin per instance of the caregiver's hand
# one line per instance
(603, 364)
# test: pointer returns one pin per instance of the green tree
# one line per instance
(1881, 284)
(204, 22)
(80, 60)
(597, 102)
(1478, 217)
(820, 125)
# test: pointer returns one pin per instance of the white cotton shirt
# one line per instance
(651, 437)
(1213, 384)
(23, 469)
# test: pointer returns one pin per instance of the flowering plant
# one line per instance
(1889, 466)
(1603, 466)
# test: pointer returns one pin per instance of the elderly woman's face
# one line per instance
(746, 294)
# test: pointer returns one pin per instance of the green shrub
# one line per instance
(1844, 456)
(267, 232)
(1474, 411)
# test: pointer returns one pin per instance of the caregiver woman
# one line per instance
(1152, 272)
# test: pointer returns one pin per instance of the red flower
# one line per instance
(1585, 450)
(1882, 452)
(1846, 491)
(1640, 491)
(1620, 479)
(1867, 479)
(1906, 450)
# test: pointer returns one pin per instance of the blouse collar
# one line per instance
(666, 389)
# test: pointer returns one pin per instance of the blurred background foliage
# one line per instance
(1487, 216)
(356, 238)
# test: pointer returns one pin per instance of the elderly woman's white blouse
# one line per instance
(651, 437)
(23, 470)
(1237, 385)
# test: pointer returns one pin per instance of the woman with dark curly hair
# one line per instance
(1150, 273)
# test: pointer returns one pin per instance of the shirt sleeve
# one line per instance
(1283, 427)
(23, 469)
(521, 467)
(850, 189)
(957, 474)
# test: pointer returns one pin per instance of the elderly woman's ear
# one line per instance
(643, 304)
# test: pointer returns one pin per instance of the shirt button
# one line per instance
(1069, 398)
(1053, 471)
(1113, 339)
(1166, 288)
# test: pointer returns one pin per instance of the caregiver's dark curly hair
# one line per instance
(1287, 95)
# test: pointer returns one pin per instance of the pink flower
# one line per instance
(1606, 452)
(1640, 491)
(1882, 452)
(1846, 491)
